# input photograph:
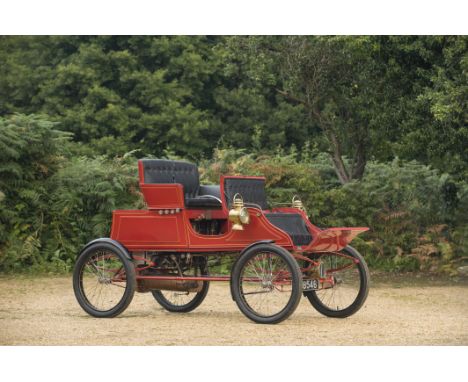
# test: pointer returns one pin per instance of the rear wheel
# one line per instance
(180, 301)
(348, 292)
(266, 284)
(104, 280)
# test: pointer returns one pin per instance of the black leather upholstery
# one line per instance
(187, 175)
(293, 225)
(251, 190)
(158, 170)
(170, 171)
(202, 202)
(210, 189)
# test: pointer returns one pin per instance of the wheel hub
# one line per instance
(104, 280)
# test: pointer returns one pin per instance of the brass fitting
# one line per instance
(239, 214)
(297, 203)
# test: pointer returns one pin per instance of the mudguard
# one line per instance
(110, 241)
(254, 244)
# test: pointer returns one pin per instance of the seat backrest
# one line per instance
(251, 190)
(187, 174)
(158, 171)
(170, 171)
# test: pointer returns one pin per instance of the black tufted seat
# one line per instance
(170, 171)
(293, 225)
(252, 191)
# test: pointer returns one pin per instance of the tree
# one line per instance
(130, 92)
(336, 81)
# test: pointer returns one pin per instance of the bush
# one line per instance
(51, 204)
(413, 211)
(31, 150)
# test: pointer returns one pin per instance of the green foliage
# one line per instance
(369, 130)
(413, 210)
(85, 192)
(31, 150)
(52, 204)
(360, 97)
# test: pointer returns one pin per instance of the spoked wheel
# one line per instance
(103, 280)
(180, 301)
(266, 284)
(349, 286)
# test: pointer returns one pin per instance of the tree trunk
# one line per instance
(359, 162)
(337, 158)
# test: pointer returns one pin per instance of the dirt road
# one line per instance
(43, 311)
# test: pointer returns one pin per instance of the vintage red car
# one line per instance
(277, 255)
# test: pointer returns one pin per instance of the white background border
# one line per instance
(233, 17)
(246, 364)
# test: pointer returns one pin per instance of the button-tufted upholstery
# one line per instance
(187, 175)
(293, 225)
(170, 171)
(251, 190)
(158, 170)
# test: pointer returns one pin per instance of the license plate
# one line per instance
(308, 285)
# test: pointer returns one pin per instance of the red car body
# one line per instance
(166, 225)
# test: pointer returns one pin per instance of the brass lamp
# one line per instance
(239, 214)
(297, 203)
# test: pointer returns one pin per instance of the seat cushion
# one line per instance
(293, 224)
(203, 202)
(210, 189)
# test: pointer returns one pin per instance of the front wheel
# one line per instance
(347, 290)
(266, 284)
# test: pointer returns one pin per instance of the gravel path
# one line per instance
(43, 311)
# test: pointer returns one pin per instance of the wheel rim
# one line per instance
(103, 280)
(266, 284)
(344, 272)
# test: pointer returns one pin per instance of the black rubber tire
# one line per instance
(130, 287)
(195, 303)
(361, 297)
(296, 284)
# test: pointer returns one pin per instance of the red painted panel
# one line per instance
(258, 229)
(153, 229)
(142, 229)
(147, 230)
(163, 195)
